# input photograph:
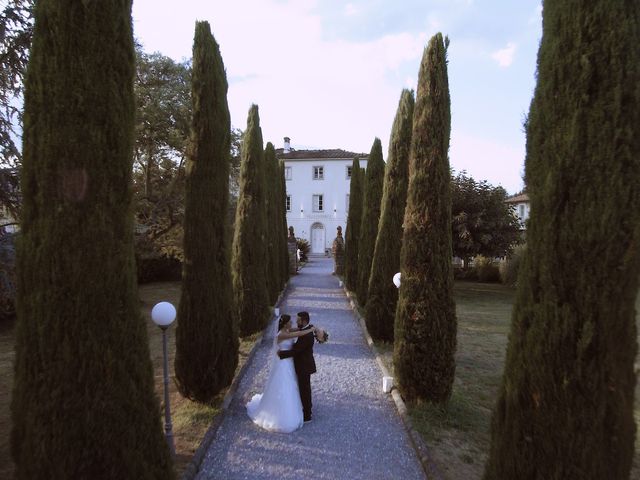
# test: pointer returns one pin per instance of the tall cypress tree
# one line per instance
(283, 232)
(373, 183)
(565, 407)
(425, 326)
(272, 186)
(83, 401)
(250, 236)
(383, 294)
(354, 219)
(207, 337)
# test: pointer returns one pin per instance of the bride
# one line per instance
(278, 408)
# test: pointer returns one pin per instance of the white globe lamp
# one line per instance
(163, 314)
(396, 279)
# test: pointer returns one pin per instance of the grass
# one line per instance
(190, 419)
(458, 434)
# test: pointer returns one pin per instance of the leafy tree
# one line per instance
(16, 30)
(207, 337)
(425, 326)
(354, 219)
(383, 294)
(565, 407)
(373, 183)
(83, 403)
(482, 223)
(249, 241)
(163, 116)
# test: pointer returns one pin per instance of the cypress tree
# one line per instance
(374, 180)
(565, 407)
(83, 401)
(425, 326)
(207, 338)
(250, 236)
(272, 186)
(284, 250)
(354, 219)
(383, 294)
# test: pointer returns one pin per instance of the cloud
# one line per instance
(488, 159)
(328, 91)
(504, 56)
(323, 92)
(350, 9)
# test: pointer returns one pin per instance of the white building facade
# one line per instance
(521, 206)
(318, 183)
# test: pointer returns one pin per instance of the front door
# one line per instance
(317, 238)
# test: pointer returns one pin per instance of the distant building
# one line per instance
(318, 183)
(521, 206)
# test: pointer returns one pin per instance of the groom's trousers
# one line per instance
(304, 384)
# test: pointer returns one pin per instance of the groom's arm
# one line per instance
(303, 344)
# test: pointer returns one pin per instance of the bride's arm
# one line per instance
(299, 333)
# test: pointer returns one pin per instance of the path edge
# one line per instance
(417, 442)
(196, 460)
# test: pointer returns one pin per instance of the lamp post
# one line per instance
(163, 315)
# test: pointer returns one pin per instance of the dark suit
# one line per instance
(305, 365)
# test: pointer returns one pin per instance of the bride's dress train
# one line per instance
(278, 408)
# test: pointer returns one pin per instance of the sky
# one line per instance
(329, 73)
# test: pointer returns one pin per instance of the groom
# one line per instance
(304, 362)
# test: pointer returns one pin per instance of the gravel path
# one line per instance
(356, 432)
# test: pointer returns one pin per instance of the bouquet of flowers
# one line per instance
(322, 336)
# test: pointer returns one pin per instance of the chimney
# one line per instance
(287, 144)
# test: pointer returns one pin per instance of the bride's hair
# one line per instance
(284, 319)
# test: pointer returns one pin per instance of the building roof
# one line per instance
(336, 153)
(518, 198)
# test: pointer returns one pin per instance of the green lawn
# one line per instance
(459, 435)
(190, 420)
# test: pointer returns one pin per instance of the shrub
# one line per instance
(509, 267)
(486, 269)
(158, 268)
(304, 247)
(468, 274)
(7, 277)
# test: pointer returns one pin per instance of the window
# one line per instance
(318, 173)
(288, 203)
(521, 212)
(287, 173)
(346, 205)
(318, 203)
(348, 171)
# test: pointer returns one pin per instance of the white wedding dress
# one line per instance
(278, 408)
